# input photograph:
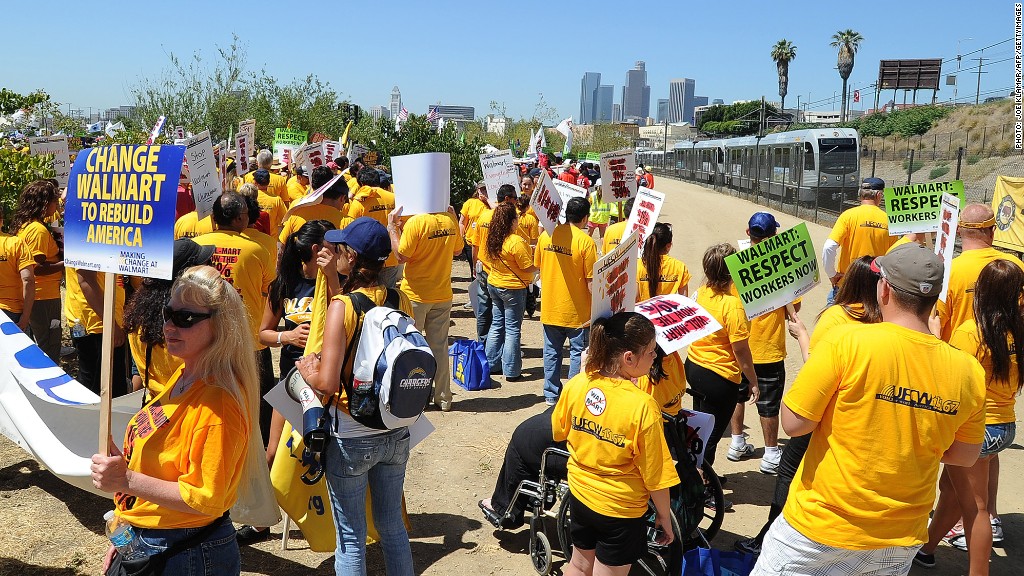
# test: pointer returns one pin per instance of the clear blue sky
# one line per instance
(470, 52)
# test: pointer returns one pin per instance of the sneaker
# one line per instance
(247, 535)
(749, 546)
(66, 351)
(551, 401)
(956, 538)
(736, 454)
(770, 462)
(997, 529)
(709, 503)
(924, 560)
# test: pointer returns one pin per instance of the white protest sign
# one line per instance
(499, 169)
(355, 151)
(698, 431)
(742, 244)
(58, 146)
(314, 197)
(615, 280)
(618, 179)
(945, 238)
(566, 192)
(646, 209)
(202, 169)
(179, 132)
(422, 182)
(243, 146)
(546, 202)
(248, 127)
(309, 155)
(678, 321)
(330, 149)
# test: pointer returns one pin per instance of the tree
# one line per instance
(783, 53)
(11, 102)
(848, 42)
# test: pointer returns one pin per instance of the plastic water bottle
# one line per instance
(78, 331)
(362, 387)
(121, 535)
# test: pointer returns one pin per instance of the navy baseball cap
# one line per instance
(873, 184)
(763, 225)
(366, 236)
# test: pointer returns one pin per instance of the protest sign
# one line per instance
(309, 155)
(287, 153)
(120, 209)
(422, 182)
(615, 280)
(546, 202)
(743, 243)
(917, 207)
(179, 132)
(248, 127)
(499, 169)
(646, 210)
(945, 239)
(566, 192)
(202, 169)
(698, 430)
(314, 197)
(290, 140)
(243, 147)
(775, 271)
(58, 146)
(157, 128)
(355, 151)
(617, 175)
(330, 149)
(678, 321)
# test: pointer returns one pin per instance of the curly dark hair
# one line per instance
(33, 202)
(144, 310)
(501, 227)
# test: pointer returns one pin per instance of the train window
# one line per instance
(720, 157)
(838, 158)
(808, 156)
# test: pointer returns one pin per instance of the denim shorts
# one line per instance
(998, 437)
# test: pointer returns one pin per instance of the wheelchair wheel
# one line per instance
(540, 552)
(562, 527)
(713, 517)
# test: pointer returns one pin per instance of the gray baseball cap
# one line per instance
(911, 268)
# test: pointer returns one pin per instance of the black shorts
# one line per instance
(771, 382)
(616, 541)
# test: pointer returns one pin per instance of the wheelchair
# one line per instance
(693, 522)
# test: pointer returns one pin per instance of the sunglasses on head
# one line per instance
(184, 318)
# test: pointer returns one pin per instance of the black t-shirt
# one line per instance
(298, 309)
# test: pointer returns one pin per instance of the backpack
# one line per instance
(390, 369)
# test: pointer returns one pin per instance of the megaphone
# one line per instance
(314, 428)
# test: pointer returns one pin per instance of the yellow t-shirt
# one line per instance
(190, 226)
(889, 401)
(162, 365)
(668, 393)
(278, 185)
(768, 336)
(832, 317)
(275, 208)
(376, 203)
(566, 261)
(613, 236)
(76, 307)
(860, 231)
(477, 235)
(197, 439)
(1001, 395)
(673, 277)
(509, 271)
(41, 243)
(529, 228)
(14, 257)
(963, 273)
(471, 210)
(267, 242)
(296, 190)
(617, 449)
(245, 265)
(905, 239)
(304, 214)
(714, 351)
(430, 242)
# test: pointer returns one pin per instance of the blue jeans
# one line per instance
(483, 311)
(998, 437)
(217, 555)
(509, 305)
(378, 461)
(554, 340)
(831, 299)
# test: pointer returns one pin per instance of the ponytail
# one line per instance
(611, 337)
(298, 248)
(655, 246)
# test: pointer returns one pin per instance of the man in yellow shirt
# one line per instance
(331, 207)
(859, 231)
(278, 184)
(298, 186)
(190, 226)
(269, 203)
(427, 244)
(976, 230)
(613, 234)
(886, 403)
(566, 260)
(250, 269)
(373, 201)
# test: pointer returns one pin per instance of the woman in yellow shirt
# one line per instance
(512, 272)
(193, 451)
(996, 338)
(39, 201)
(657, 272)
(618, 457)
(714, 364)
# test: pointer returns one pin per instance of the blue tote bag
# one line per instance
(705, 562)
(469, 365)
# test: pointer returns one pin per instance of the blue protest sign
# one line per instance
(119, 214)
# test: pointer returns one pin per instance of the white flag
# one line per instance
(531, 150)
(565, 128)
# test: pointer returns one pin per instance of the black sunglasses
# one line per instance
(184, 318)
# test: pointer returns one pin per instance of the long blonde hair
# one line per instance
(230, 363)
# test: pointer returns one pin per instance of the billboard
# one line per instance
(909, 74)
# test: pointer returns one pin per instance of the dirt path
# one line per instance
(53, 529)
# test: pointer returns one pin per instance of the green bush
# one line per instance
(17, 169)
(907, 122)
(937, 172)
(918, 164)
(973, 159)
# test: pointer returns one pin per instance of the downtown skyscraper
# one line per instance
(636, 94)
(589, 86)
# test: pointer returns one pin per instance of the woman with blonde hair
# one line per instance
(193, 452)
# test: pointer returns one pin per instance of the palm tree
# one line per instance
(847, 41)
(783, 53)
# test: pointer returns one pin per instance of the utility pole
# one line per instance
(977, 95)
(664, 152)
(760, 125)
(798, 119)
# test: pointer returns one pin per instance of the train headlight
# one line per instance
(824, 179)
